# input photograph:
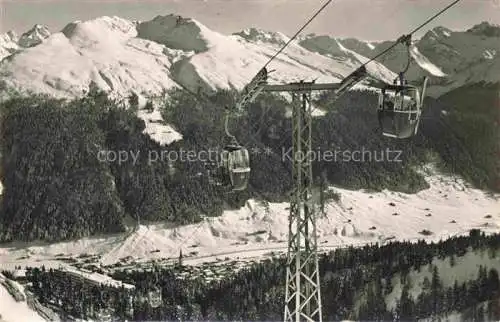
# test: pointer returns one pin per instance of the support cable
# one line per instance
(298, 32)
(404, 38)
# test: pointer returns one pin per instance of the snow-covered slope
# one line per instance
(357, 50)
(464, 56)
(447, 208)
(457, 51)
(12, 311)
(362, 47)
(103, 51)
(231, 61)
(351, 54)
(122, 56)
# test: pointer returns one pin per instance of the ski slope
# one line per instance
(156, 127)
(449, 207)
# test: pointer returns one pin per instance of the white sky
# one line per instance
(363, 19)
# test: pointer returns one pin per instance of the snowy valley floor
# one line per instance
(449, 207)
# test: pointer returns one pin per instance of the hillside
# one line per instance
(96, 187)
(147, 58)
(468, 115)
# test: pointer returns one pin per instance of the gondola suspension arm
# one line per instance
(226, 127)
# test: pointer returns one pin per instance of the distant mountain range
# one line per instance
(451, 58)
(125, 56)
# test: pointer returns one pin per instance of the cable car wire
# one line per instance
(402, 38)
(388, 17)
(298, 32)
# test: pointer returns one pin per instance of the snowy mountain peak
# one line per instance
(436, 34)
(324, 45)
(425, 64)
(258, 35)
(177, 32)
(441, 32)
(486, 29)
(34, 36)
(102, 30)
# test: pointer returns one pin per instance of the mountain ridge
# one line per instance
(180, 30)
(450, 58)
(184, 51)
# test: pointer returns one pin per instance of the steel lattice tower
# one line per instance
(303, 296)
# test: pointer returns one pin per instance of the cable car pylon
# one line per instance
(303, 294)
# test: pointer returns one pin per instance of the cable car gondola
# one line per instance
(400, 105)
(400, 109)
(235, 163)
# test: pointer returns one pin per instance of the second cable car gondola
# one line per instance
(235, 162)
(400, 109)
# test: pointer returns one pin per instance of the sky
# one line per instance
(363, 19)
